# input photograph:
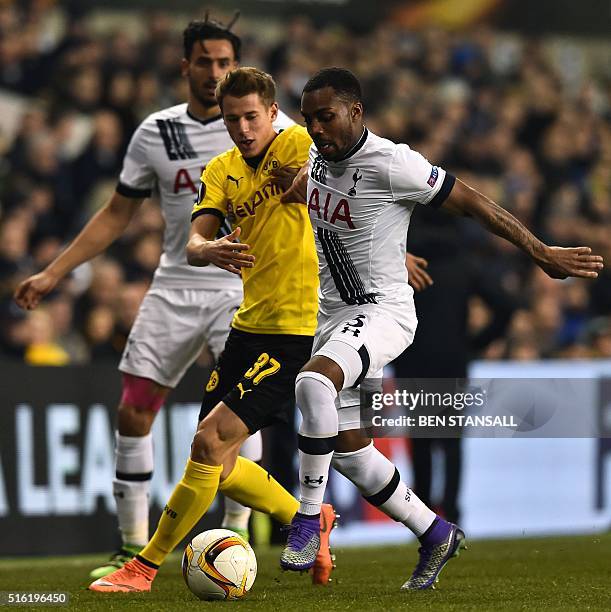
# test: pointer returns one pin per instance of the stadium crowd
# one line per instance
(505, 113)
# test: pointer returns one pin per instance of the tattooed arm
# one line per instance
(557, 262)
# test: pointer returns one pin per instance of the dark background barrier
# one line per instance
(57, 464)
(56, 457)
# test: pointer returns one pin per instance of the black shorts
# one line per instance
(255, 376)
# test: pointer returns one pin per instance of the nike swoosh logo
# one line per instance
(112, 584)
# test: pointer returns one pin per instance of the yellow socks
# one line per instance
(250, 485)
(190, 500)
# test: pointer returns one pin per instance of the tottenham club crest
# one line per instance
(356, 177)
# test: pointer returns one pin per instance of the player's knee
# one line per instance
(133, 422)
(310, 387)
(326, 367)
(206, 445)
(142, 393)
(211, 443)
(315, 395)
(140, 401)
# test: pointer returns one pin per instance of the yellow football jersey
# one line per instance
(280, 290)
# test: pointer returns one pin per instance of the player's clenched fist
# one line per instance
(223, 252)
(29, 293)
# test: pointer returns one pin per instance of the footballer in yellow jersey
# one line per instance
(253, 382)
(272, 331)
(280, 290)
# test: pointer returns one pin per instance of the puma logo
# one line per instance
(235, 180)
(242, 391)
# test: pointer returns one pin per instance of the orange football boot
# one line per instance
(325, 560)
(133, 577)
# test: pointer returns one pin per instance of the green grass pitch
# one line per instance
(572, 573)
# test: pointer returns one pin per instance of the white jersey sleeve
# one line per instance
(138, 177)
(413, 179)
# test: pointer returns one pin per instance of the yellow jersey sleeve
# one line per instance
(303, 142)
(211, 196)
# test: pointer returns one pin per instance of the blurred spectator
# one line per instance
(126, 311)
(14, 330)
(102, 157)
(61, 310)
(99, 327)
(598, 337)
(43, 348)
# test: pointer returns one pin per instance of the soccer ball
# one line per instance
(219, 564)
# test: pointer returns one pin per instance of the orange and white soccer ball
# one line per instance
(219, 564)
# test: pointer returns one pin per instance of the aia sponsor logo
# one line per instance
(184, 182)
(332, 210)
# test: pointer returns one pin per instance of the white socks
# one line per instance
(131, 487)
(315, 395)
(380, 484)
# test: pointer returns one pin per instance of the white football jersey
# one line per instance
(168, 153)
(360, 209)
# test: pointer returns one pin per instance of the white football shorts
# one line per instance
(171, 329)
(362, 340)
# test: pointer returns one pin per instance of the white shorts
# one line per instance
(171, 329)
(362, 340)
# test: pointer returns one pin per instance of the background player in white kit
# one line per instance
(185, 307)
(361, 190)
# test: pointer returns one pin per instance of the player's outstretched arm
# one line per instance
(417, 276)
(202, 249)
(101, 231)
(557, 262)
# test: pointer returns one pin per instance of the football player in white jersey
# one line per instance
(361, 190)
(185, 307)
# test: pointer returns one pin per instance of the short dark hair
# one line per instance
(243, 81)
(209, 30)
(342, 81)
